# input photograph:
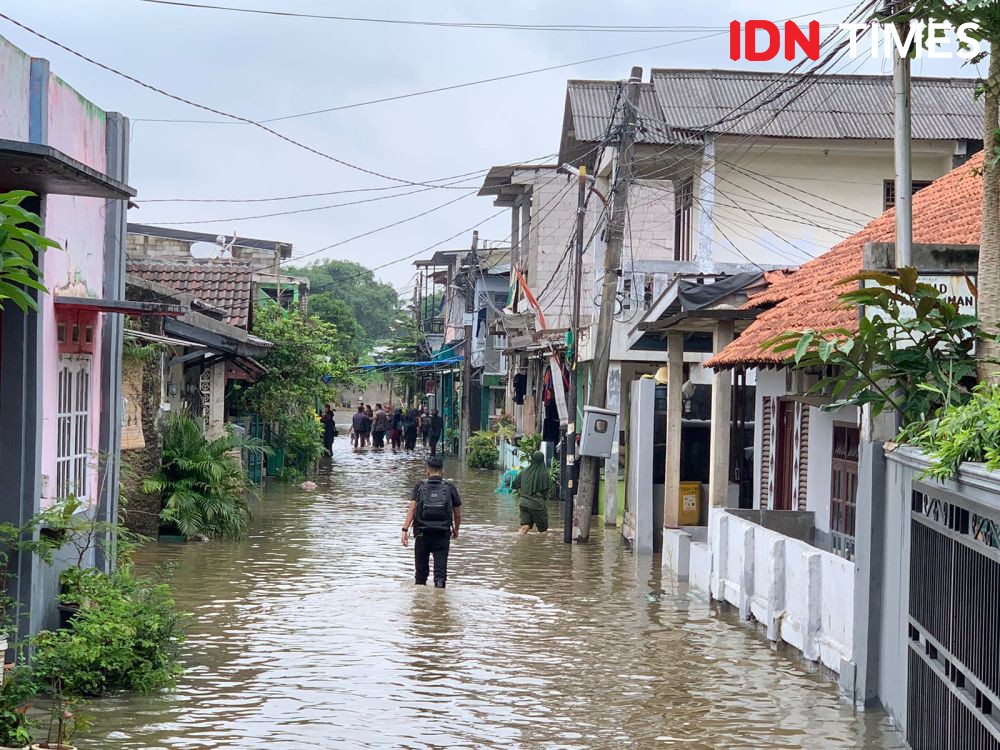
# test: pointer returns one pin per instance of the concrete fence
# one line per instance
(800, 594)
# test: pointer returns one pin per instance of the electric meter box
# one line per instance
(600, 426)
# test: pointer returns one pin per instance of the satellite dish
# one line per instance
(205, 250)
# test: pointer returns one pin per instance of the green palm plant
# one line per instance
(204, 487)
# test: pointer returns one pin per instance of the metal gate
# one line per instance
(953, 690)
(254, 460)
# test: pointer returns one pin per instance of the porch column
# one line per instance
(515, 239)
(722, 400)
(675, 382)
(524, 246)
(706, 205)
(614, 403)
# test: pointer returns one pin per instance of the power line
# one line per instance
(468, 190)
(206, 108)
(438, 89)
(274, 199)
(586, 28)
(469, 83)
(383, 228)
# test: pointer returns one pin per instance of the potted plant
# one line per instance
(15, 725)
(69, 524)
(64, 719)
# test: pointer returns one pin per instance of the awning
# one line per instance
(43, 169)
(155, 338)
(428, 364)
(123, 306)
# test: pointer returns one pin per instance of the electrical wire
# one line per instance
(602, 28)
(213, 110)
(469, 191)
(424, 92)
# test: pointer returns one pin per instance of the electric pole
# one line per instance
(587, 483)
(903, 143)
(470, 308)
(569, 438)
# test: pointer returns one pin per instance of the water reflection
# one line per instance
(311, 634)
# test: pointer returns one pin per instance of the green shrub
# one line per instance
(126, 636)
(528, 444)
(303, 440)
(483, 451)
(963, 432)
(204, 486)
(18, 689)
(554, 479)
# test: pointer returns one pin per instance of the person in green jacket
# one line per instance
(532, 487)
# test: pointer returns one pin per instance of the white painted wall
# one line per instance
(802, 595)
(787, 201)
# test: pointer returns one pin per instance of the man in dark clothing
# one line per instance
(425, 426)
(358, 422)
(410, 429)
(328, 420)
(379, 424)
(434, 430)
(396, 429)
(435, 513)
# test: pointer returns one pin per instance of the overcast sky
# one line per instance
(262, 67)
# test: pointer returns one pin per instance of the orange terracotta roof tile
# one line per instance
(946, 212)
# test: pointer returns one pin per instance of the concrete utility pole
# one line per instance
(569, 439)
(903, 142)
(609, 293)
(470, 308)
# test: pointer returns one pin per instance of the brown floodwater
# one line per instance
(311, 634)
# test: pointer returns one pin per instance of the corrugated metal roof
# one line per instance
(680, 102)
(826, 106)
(592, 103)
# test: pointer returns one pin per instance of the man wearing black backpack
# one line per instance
(435, 513)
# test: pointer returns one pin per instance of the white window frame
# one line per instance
(73, 426)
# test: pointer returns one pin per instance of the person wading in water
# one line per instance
(410, 429)
(328, 419)
(435, 513)
(434, 431)
(532, 486)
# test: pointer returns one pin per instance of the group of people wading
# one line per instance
(370, 427)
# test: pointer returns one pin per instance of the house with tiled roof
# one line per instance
(732, 172)
(264, 257)
(800, 449)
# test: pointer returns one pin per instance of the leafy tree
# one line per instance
(986, 14)
(304, 364)
(373, 303)
(19, 245)
(351, 336)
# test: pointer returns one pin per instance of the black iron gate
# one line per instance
(953, 690)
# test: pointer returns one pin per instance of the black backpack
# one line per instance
(434, 506)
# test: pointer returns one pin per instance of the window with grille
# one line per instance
(844, 490)
(73, 427)
(889, 191)
(683, 212)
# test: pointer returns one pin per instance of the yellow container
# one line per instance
(689, 504)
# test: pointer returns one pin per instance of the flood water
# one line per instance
(311, 634)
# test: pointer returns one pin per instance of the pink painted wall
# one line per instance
(15, 69)
(77, 128)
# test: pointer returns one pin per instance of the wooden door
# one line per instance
(784, 465)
